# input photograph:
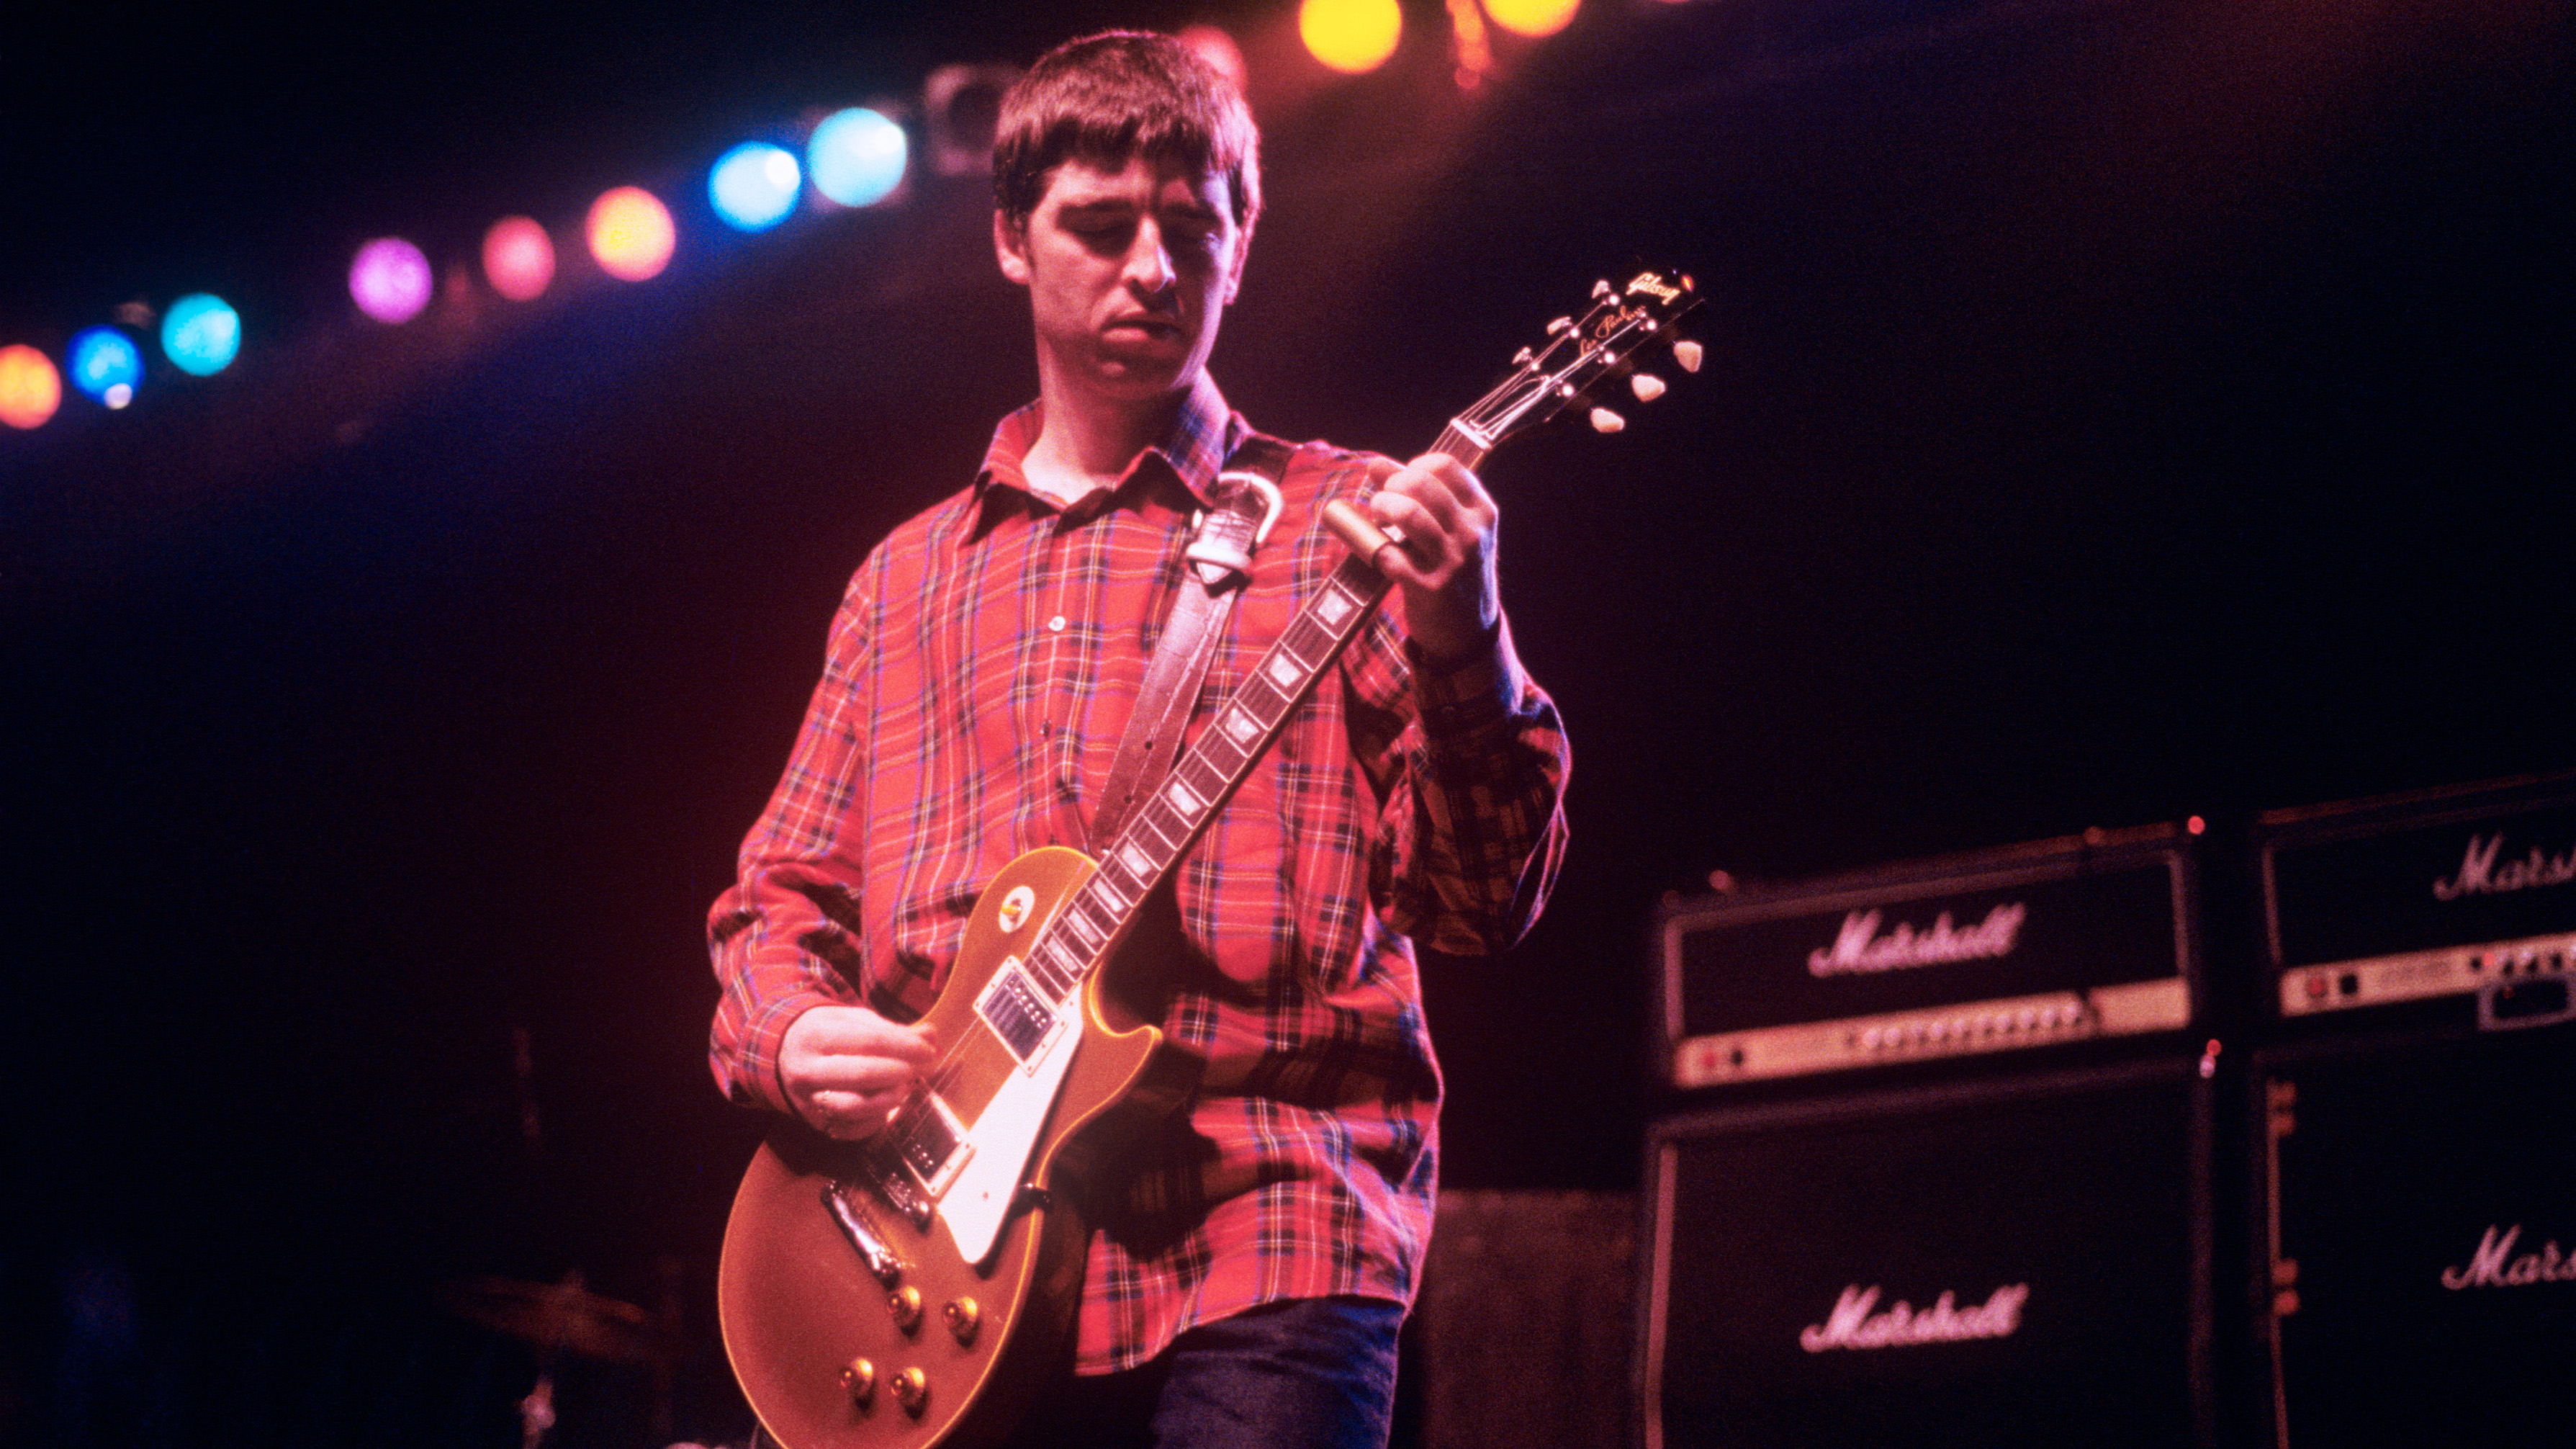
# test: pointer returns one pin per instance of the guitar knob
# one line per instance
(963, 1318)
(1688, 354)
(859, 1376)
(905, 1304)
(912, 1390)
(1606, 421)
(1646, 386)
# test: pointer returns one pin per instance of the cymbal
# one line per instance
(563, 1317)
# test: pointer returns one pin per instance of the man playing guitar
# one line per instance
(1252, 1251)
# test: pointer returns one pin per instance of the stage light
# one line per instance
(1218, 49)
(390, 280)
(518, 258)
(856, 156)
(201, 334)
(753, 186)
(630, 234)
(959, 106)
(1532, 18)
(107, 365)
(30, 388)
(1351, 36)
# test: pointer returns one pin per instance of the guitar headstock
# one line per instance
(1611, 340)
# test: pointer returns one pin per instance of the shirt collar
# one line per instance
(1203, 432)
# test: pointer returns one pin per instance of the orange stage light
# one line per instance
(1532, 18)
(630, 234)
(30, 387)
(1351, 36)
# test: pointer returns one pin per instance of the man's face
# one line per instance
(1128, 271)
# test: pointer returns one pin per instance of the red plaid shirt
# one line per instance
(979, 674)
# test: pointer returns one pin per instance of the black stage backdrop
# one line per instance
(2114, 411)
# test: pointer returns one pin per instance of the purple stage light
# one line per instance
(390, 280)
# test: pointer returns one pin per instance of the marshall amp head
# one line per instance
(2467, 894)
(2031, 945)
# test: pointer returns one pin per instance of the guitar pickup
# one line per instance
(935, 1148)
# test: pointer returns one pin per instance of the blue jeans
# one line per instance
(1309, 1374)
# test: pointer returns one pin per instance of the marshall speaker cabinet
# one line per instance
(2415, 1279)
(2089, 936)
(2466, 897)
(1995, 1263)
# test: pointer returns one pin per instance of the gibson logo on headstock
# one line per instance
(1655, 287)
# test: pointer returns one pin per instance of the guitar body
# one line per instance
(799, 1302)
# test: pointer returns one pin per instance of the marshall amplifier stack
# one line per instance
(2413, 1174)
(1936, 1164)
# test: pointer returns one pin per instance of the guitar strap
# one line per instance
(1246, 499)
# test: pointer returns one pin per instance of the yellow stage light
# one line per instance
(1351, 36)
(1532, 18)
(630, 234)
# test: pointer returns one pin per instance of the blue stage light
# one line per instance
(753, 186)
(857, 156)
(107, 365)
(201, 333)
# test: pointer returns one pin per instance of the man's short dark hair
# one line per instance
(1110, 97)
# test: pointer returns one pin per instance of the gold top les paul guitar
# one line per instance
(914, 1289)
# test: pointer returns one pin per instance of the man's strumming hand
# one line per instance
(846, 1068)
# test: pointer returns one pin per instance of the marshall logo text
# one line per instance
(2481, 875)
(1860, 948)
(2495, 1264)
(1853, 1325)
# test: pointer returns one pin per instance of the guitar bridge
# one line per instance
(862, 1235)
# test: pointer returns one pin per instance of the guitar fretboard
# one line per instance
(1165, 825)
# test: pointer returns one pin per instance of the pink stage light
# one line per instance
(518, 258)
(1218, 49)
(390, 280)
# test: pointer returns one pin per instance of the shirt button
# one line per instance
(1056, 623)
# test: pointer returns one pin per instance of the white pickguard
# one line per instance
(979, 1201)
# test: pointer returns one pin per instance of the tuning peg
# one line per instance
(1602, 290)
(1606, 421)
(1646, 386)
(1523, 358)
(1561, 324)
(1688, 354)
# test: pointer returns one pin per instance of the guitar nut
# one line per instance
(963, 1318)
(905, 1304)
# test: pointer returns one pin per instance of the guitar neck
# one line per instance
(1576, 356)
(1167, 824)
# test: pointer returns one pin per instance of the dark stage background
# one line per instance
(2115, 411)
